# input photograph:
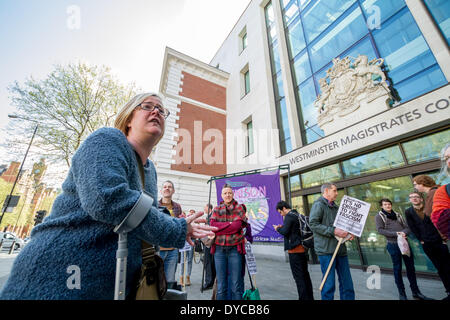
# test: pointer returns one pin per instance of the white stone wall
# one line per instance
(259, 103)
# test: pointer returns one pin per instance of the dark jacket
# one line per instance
(291, 231)
(424, 230)
(321, 221)
(389, 228)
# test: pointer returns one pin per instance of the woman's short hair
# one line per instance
(424, 180)
(226, 185)
(126, 113)
(384, 200)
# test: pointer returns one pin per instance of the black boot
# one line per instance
(402, 295)
(419, 296)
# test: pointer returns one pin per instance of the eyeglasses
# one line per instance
(148, 106)
(414, 197)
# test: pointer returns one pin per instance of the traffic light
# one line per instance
(39, 216)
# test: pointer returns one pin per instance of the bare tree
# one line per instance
(73, 101)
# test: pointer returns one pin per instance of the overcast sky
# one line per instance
(129, 36)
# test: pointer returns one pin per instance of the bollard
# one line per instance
(12, 247)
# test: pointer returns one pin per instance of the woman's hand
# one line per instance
(197, 230)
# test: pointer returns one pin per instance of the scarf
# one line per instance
(419, 211)
(391, 215)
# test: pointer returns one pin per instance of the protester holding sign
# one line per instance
(229, 245)
(321, 219)
(297, 253)
(391, 225)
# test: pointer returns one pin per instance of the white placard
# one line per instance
(186, 247)
(352, 215)
(250, 259)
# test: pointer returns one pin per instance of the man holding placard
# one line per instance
(321, 220)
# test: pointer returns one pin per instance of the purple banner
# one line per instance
(260, 192)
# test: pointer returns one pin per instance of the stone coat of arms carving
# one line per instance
(347, 86)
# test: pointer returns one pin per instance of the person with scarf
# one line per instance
(391, 224)
(229, 245)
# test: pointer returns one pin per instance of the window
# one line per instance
(249, 144)
(285, 135)
(323, 13)
(296, 40)
(290, 12)
(280, 103)
(247, 81)
(403, 47)
(295, 183)
(440, 10)
(426, 148)
(319, 176)
(372, 162)
(297, 204)
(302, 69)
(350, 29)
(387, 8)
(373, 245)
(243, 40)
(307, 96)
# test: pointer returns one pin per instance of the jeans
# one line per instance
(228, 262)
(299, 267)
(396, 257)
(440, 257)
(188, 255)
(170, 258)
(340, 265)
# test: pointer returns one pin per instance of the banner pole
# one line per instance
(330, 264)
(204, 247)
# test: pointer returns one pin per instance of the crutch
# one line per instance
(131, 221)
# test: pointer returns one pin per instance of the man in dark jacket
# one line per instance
(425, 231)
(321, 219)
(297, 253)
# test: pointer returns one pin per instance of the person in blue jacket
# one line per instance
(101, 188)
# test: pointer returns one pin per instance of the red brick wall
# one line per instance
(11, 173)
(196, 121)
(203, 90)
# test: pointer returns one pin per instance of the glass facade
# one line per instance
(280, 102)
(388, 158)
(440, 11)
(370, 248)
(319, 30)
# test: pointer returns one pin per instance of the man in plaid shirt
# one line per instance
(229, 245)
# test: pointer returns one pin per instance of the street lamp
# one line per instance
(7, 200)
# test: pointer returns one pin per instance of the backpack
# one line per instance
(306, 234)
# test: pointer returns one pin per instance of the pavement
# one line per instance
(275, 282)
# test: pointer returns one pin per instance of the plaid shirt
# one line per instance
(223, 213)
